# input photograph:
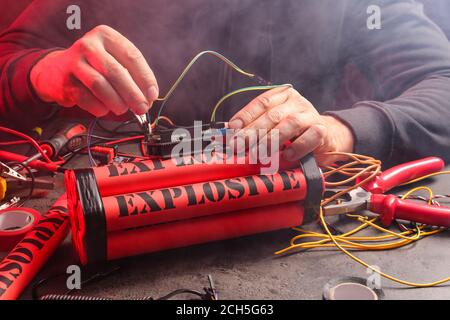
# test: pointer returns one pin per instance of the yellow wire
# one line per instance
(347, 241)
(228, 62)
(193, 61)
(387, 276)
(163, 118)
(426, 177)
(242, 90)
(186, 70)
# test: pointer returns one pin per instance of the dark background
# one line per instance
(438, 10)
(354, 86)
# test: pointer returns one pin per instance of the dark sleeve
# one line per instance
(36, 32)
(408, 62)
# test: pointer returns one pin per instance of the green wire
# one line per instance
(248, 89)
(186, 70)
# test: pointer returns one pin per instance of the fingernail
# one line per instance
(142, 108)
(289, 154)
(236, 124)
(153, 93)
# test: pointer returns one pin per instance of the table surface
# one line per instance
(246, 268)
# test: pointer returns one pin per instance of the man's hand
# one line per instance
(101, 72)
(296, 120)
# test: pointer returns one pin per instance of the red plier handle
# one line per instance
(390, 207)
(403, 173)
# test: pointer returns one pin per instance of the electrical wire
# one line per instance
(29, 139)
(426, 177)
(242, 90)
(109, 143)
(349, 241)
(167, 119)
(115, 131)
(189, 66)
(89, 139)
(13, 143)
(124, 140)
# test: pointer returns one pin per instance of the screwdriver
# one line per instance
(53, 146)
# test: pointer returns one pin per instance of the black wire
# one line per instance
(98, 137)
(181, 291)
(97, 276)
(71, 155)
(68, 297)
(116, 129)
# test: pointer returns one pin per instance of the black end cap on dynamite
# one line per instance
(314, 188)
(94, 216)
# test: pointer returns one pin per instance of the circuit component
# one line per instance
(162, 140)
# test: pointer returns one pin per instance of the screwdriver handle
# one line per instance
(390, 207)
(54, 145)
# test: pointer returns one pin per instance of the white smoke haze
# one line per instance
(256, 147)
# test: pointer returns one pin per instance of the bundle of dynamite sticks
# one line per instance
(136, 208)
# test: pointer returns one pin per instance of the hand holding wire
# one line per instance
(295, 121)
(101, 72)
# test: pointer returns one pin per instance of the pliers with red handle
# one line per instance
(371, 196)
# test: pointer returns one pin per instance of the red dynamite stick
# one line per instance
(203, 230)
(158, 174)
(20, 266)
(201, 199)
(131, 216)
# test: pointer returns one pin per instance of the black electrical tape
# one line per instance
(360, 291)
(314, 188)
(94, 216)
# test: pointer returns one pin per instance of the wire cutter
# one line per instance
(390, 207)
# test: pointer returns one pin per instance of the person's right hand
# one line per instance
(101, 72)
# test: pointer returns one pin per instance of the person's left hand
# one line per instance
(286, 110)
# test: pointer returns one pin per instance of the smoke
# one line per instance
(283, 41)
(439, 12)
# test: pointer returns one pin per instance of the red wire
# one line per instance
(29, 139)
(143, 151)
(13, 143)
(35, 144)
(124, 140)
(129, 155)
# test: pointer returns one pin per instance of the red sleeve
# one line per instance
(19, 104)
(37, 31)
